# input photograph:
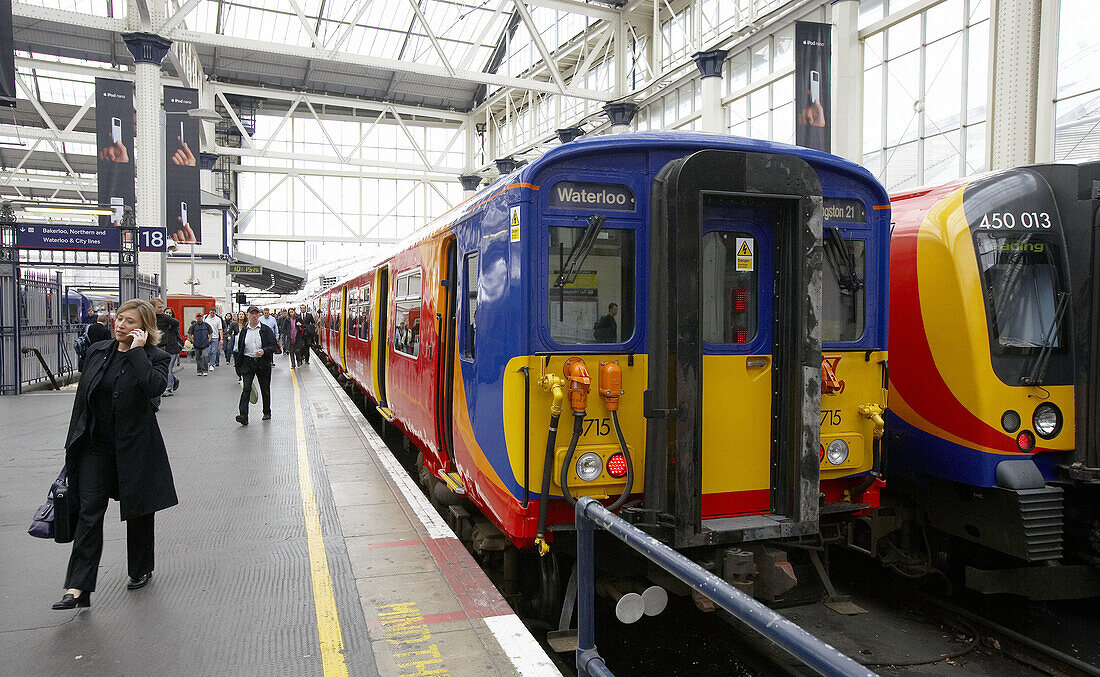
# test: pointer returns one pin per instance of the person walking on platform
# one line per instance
(169, 329)
(255, 350)
(229, 333)
(241, 323)
(200, 340)
(270, 321)
(295, 338)
(114, 449)
(309, 330)
(215, 351)
(94, 333)
(283, 320)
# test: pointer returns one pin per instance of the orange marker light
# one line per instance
(611, 384)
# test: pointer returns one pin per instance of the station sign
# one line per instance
(244, 269)
(152, 239)
(73, 238)
(86, 238)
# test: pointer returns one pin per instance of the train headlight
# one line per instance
(1047, 420)
(837, 452)
(589, 466)
(1010, 421)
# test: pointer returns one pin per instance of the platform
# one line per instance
(299, 547)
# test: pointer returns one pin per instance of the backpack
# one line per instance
(80, 345)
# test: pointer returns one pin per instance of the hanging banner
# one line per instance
(183, 211)
(114, 126)
(812, 90)
(7, 56)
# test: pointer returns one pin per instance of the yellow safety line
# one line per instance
(324, 601)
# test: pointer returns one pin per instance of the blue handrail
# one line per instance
(810, 650)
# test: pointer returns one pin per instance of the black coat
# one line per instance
(98, 332)
(267, 343)
(144, 477)
(170, 333)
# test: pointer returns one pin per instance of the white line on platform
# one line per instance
(516, 641)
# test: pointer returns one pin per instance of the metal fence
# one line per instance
(810, 650)
(45, 336)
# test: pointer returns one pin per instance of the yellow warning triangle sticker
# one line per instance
(744, 250)
(515, 217)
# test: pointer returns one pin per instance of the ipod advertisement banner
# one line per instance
(181, 151)
(812, 90)
(7, 56)
(114, 125)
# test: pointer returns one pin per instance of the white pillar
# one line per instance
(710, 71)
(847, 99)
(1015, 100)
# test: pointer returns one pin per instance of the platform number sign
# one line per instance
(745, 254)
(514, 224)
(152, 239)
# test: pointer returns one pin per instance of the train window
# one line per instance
(406, 317)
(730, 294)
(353, 312)
(1020, 273)
(364, 313)
(593, 301)
(471, 269)
(843, 285)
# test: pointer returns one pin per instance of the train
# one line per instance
(992, 432)
(708, 311)
(78, 303)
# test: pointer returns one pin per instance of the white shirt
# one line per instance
(215, 323)
(252, 341)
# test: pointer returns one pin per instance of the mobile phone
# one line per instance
(815, 87)
(183, 214)
(117, 207)
(116, 130)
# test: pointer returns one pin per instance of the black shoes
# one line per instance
(70, 602)
(139, 581)
(241, 419)
(267, 417)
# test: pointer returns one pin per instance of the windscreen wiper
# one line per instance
(572, 266)
(842, 261)
(1039, 368)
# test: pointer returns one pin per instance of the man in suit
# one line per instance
(256, 345)
(309, 328)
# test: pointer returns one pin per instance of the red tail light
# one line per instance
(1025, 441)
(740, 335)
(616, 465)
(740, 300)
(822, 458)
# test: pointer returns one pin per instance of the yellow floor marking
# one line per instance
(324, 601)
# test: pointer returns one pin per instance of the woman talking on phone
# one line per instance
(114, 449)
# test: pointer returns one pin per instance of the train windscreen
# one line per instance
(593, 302)
(1020, 273)
(843, 275)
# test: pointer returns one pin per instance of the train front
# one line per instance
(982, 402)
(647, 332)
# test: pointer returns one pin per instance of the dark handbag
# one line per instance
(56, 518)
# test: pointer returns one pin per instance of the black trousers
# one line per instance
(96, 479)
(259, 369)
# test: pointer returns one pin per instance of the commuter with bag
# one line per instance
(114, 449)
(256, 346)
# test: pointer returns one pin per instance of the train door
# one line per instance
(736, 266)
(341, 334)
(381, 334)
(734, 289)
(446, 354)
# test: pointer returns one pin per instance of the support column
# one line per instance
(148, 51)
(710, 70)
(567, 134)
(10, 361)
(1015, 104)
(847, 99)
(621, 114)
